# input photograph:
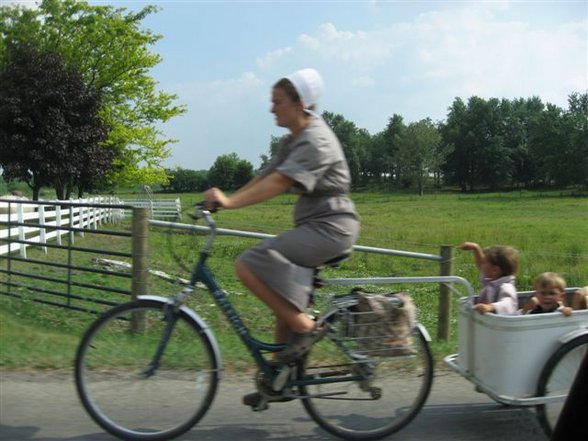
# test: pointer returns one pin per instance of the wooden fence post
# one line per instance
(446, 269)
(140, 253)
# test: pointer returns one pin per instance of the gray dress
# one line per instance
(325, 219)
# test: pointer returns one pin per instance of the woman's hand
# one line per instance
(215, 198)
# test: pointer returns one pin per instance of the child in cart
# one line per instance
(580, 298)
(549, 295)
(498, 266)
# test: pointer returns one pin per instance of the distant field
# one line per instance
(550, 231)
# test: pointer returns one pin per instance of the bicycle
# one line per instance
(149, 369)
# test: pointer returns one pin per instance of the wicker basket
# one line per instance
(376, 324)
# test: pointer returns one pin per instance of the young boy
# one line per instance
(549, 295)
(498, 266)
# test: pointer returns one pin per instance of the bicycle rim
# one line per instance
(111, 381)
(370, 410)
(557, 378)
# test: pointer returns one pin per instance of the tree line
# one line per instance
(484, 144)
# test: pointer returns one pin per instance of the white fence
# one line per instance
(160, 208)
(36, 223)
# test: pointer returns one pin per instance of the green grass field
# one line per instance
(550, 231)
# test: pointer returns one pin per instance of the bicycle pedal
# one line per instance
(357, 357)
(256, 401)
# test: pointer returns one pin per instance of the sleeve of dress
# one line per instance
(507, 303)
(270, 167)
(308, 162)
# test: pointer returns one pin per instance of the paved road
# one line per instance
(44, 407)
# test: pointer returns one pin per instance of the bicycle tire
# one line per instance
(110, 373)
(557, 378)
(347, 411)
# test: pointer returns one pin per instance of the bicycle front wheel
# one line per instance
(130, 396)
(394, 389)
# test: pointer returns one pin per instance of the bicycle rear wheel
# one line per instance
(395, 389)
(557, 378)
(118, 390)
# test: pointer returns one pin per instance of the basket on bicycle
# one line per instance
(376, 324)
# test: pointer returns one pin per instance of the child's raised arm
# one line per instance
(479, 257)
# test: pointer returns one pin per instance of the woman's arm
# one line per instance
(257, 190)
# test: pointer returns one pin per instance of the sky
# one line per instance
(377, 59)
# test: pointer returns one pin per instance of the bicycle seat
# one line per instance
(336, 261)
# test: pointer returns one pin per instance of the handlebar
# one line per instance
(200, 212)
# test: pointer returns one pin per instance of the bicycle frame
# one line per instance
(201, 273)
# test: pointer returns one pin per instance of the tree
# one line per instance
(547, 143)
(559, 143)
(273, 150)
(479, 156)
(518, 115)
(243, 174)
(182, 180)
(109, 48)
(457, 166)
(229, 172)
(362, 144)
(347, 133)
(577, 122)
(373, 166)
(419, 154)
(389, 156)
(50, 130)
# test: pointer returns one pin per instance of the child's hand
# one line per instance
(468, 246)
(566, 310)
(483, 308)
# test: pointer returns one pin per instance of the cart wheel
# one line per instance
(557, 378)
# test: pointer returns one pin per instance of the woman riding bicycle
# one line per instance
(311, 163)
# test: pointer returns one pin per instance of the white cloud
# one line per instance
(475, 52)
(272, 57)
(462, 51)
(353, 47)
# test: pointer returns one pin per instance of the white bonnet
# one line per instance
(309, 85)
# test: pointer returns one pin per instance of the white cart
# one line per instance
(529, 360)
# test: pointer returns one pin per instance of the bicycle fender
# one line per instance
(572, 335)
(196, 319)
(424, 332)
